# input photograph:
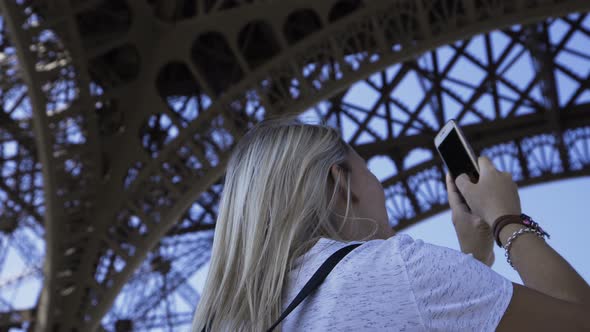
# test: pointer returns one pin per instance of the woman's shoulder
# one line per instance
(396, 244)
(373, 252)
(380, 256)
(400, 248)
(372, 263)
(371, 276)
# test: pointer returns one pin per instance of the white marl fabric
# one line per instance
(398, 284)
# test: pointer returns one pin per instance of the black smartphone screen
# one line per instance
(455, 156)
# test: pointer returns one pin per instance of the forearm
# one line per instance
(543, 269)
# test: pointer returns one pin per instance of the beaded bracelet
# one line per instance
(513, 237)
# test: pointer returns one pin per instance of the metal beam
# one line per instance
(14, 20)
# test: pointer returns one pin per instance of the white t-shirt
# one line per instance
(398, 284)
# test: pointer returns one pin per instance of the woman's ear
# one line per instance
(337, 171)
(337, 179)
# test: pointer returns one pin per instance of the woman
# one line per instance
(296, 193)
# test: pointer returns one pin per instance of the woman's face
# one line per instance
(367, 201)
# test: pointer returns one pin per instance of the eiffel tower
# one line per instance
(117, 118)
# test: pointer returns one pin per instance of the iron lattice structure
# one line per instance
(118, 116)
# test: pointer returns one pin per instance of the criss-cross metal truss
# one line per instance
(118, 117)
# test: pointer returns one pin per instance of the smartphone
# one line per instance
(455, 151)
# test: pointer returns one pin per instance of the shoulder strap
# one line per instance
(318, 277)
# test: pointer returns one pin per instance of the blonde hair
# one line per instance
(277, 202)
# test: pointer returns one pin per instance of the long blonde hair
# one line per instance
(277, 201)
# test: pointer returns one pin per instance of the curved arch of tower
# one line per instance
(118, 117)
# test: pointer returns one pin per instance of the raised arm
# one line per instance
(555, 296)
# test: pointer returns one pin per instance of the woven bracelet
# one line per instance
(514, 236)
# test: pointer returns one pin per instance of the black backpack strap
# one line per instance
(318, 277)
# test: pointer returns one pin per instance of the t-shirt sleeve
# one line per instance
(454, 291)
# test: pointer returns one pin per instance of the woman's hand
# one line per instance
(494, 195)
(475, 235)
